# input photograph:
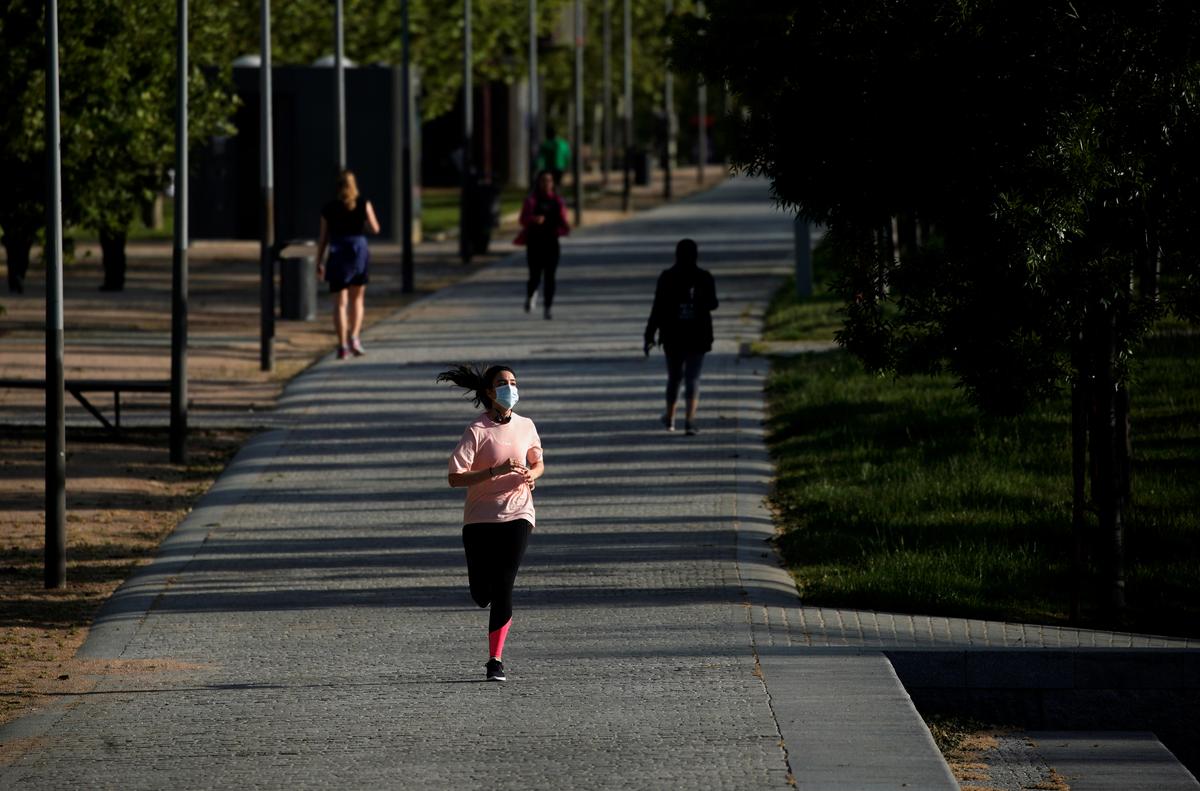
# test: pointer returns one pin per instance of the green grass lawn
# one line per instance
(816, 318)
(899, 495)
(439, 206)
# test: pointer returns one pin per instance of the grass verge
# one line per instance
(439, 206)
(898, 495)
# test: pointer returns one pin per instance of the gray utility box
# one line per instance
(298, 281)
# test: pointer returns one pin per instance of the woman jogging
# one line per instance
(345, 221)
(543, 219)
(498, 459)
(684, 300)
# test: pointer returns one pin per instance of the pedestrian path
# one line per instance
(308, 626)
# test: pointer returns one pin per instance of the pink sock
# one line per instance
(496, 639)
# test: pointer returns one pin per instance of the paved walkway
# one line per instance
(309, 626)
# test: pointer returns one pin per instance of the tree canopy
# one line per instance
(1007, 184)
(117, 86)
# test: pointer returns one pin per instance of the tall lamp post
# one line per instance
(179, 252)
(56, 433)
(533, 93)
(702, 115)
(606, 93)
(339, 82)
(668, 121)
(266, 178)
(406, 174)
(576, 166)
(464, 202)
(627, 110)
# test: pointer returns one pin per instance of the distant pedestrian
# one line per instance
(498, 460)
(681, 318)
(554, 155)
(345, 222)
(543, 219)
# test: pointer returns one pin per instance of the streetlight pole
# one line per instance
(56, 433)
(533, 93)
(702, 115)
(668, 120)
(339, 79)
(406, 174)
(576, 166)
(606, 93)
(627, 111)
(179, 252)
(266, 178)
(464, 225)
(702, 126)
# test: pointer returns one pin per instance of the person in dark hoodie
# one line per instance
(681, 319)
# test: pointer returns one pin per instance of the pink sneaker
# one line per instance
(357, 347)
(343, 352)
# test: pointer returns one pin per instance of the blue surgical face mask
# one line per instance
(507, 396)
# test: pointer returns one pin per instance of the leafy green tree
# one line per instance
(132, 140)
(302, 31)
(1005, 183)
(117, 84)
(22, 140)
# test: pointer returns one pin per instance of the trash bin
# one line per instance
(643, 165)
(298, 281)
(483, 214)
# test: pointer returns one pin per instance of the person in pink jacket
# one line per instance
(497, 460)
(543, 219)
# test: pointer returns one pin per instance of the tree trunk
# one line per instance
(1106, 446)
(16, 248)
(112, 250)
(1079, 432)
(1150, 267)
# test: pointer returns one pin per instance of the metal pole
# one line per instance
(533, 93)
(339, 78)
(179, 253)
(577, 160)
(668, 121)
(627, 111)
(406, 174)
(803, 234)
(56, 434)
(702, 115)
(266, 172)
(702, 126)
(606, 94)
(464, 225)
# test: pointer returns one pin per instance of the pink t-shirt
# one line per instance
(487, 443)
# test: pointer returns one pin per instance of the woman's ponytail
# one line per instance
(474, 379)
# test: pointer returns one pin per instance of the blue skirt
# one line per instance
(348, 260)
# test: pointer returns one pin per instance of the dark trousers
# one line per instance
(494, 553)
(542, 257)
(683, 367)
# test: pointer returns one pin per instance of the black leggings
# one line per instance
(542, 258)
(494, 552)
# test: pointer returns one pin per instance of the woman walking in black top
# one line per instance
(681, 317)
(543, 220)
(345, 221)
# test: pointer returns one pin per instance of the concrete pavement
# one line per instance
(309, 625)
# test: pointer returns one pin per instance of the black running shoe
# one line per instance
(495, 670)
(690, 429)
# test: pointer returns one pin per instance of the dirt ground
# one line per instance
(993, 758)
(123, 494)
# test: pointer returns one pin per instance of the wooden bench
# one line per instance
(77, 387)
